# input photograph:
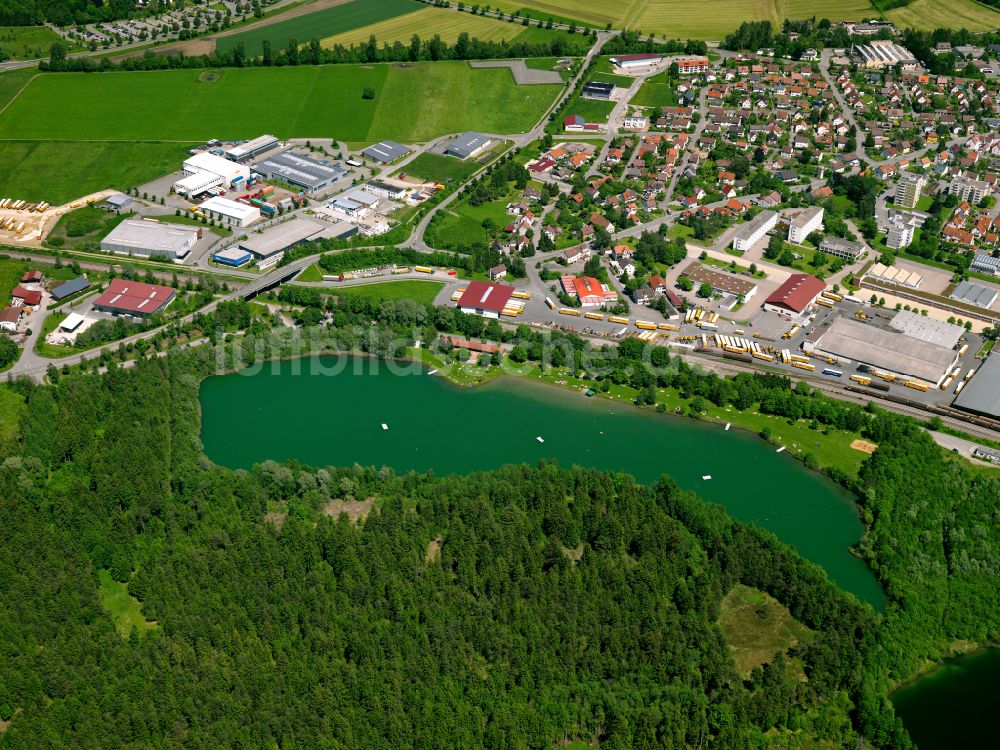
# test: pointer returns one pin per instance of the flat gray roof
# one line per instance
(886, 350)
(982, 393)
(974, 294)
(386, 151)
(922, 328)
(299, 170)
(745, 230)
(465, 144)
(281, 237)
(152, 235)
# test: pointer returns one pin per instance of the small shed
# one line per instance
(119, 203)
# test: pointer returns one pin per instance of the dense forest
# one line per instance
(512, 609)
(63, 12)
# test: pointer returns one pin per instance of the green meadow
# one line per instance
(318, 25)
(413, 103)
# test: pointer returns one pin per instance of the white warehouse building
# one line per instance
(217, 165)
(754, 230)
(230, 212)
(804, 223)
(146, 238)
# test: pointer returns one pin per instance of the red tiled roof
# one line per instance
(30, 276)
(797, 292)
(135, 297)
(480, 295)
(30, 296)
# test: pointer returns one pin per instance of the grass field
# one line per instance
(322, 23)
(657, 91)
(413, 103)
(592, 12)
(12, 82)
(757, 627)
(932, 14)
(29, 42)
(427, 22)
(429, 166)
(60, 171)
(125, 610)
(423, 292)
(12, 406)
(11, 272)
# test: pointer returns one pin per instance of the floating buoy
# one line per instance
(385, 426)
(728, 425)
(539, 439)
(780, 449)
(706, 477)
(432, 372)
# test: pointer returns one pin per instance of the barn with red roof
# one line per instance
(482, 298)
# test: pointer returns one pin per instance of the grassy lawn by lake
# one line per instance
(125, 610)
(423, 292)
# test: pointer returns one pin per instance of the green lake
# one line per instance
(293, 410)
(956, 705)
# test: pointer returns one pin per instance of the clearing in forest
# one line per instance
(757, 627)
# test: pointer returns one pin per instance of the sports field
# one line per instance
(955, 14)
(322, 23)
(426, 23)
(413, 103)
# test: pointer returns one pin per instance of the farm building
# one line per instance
(631, 62)
(72, 322)
(134, 298)
(119, 203)
(217, 165)
(721, 282)
(9, 318)
(22, 296)
(269, 246)
(876, 347)
(486, 299)
(468, 145)
(251, 149)
(795, 296)
(232, 256)
(981, 395)
(69, 288)
(385, 152)
(974, 294)
(146, 238)
(31, 277)
(749, 234)
(230, 212)
(302, 172)
(576, 123)
(597, 90)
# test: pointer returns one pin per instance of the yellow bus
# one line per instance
(645, 325)
(593, 316)
(569, 311)
(423, 269)
(804, 366)
(916, 385)
(861, 379)
(616, 319)
(765, 357)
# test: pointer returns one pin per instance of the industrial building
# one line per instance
(298, 171)
(876, 347)
(796, 295)
(927, 329)
(72, 322)
(893, 275)
(981, 395)
(468, 145)
(721, 282)
(146, 238)
(749, 234)
(908, 190)
(233, 257)
(486, 299)
(985, 264)
(631, 62)
(388, 190)
(597, 90)
(69, 288)
(841, 248)
(269, 246)
(385, 152)
(225, 172)
(119, 203)
(251, 149)
(230, 212)
(883, 53)
(974, 294)
(134, 298)
(804, 223)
